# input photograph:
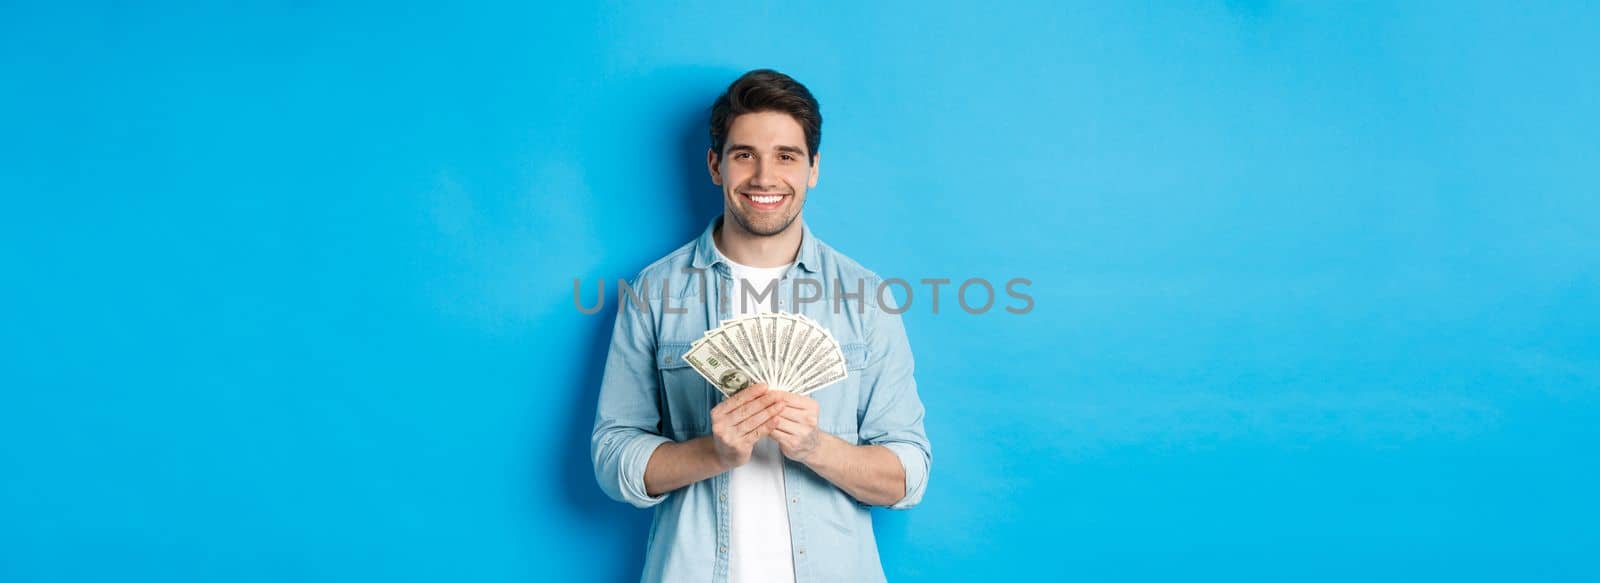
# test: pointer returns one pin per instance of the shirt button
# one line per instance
(802, 551)
(722, 497)
(724, 550)
(794, 500)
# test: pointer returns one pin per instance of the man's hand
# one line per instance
(740, 421)
(796, 429)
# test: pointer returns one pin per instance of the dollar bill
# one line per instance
(784, 331)
(788, 352)
(718, 368)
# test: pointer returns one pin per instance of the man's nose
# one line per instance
(764, 176)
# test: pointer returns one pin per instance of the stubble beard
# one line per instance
(769, 230)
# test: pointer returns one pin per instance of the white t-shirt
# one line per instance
(759, 519)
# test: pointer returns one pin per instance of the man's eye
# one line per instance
(788, 157)
(742, 155)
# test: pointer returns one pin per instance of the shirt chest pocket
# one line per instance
(685, 399)
(838, 403)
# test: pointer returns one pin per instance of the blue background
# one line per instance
(288, 286)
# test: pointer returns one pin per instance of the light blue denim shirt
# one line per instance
(649, 396)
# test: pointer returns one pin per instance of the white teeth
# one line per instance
(766, 199)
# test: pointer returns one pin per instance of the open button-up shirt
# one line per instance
(649, 396)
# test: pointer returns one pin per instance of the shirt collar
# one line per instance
(705, 248)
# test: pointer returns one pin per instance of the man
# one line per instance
(765, 485)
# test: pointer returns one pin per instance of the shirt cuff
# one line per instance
(915, 463)
(635, 458)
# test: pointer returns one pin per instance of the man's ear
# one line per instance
(816, 164)
(711, 166)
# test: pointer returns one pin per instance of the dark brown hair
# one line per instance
(767, 90)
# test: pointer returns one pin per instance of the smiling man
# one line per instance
(765, 485)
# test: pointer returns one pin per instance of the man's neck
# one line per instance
(753, 250)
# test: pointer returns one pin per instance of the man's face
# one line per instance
(764, 171)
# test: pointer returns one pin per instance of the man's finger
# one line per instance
(757, 404)
(757, 419)
(751, 423)
(799, 403)
(763, 428)
(789, 428)
(741, 397)
(799, 415)
(722, 408)
(759, 432)
(729, 409)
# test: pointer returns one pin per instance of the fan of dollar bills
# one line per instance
(788, 352)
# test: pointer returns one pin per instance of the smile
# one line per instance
(764, 201)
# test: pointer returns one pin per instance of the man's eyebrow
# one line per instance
(789, 149)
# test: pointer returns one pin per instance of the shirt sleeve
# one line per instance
(627, 419)
(891, 413)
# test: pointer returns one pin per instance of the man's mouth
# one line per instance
(764, 201)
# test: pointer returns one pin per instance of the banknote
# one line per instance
(718, 368)
(787, 352)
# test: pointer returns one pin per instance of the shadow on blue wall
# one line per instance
(682, 100)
